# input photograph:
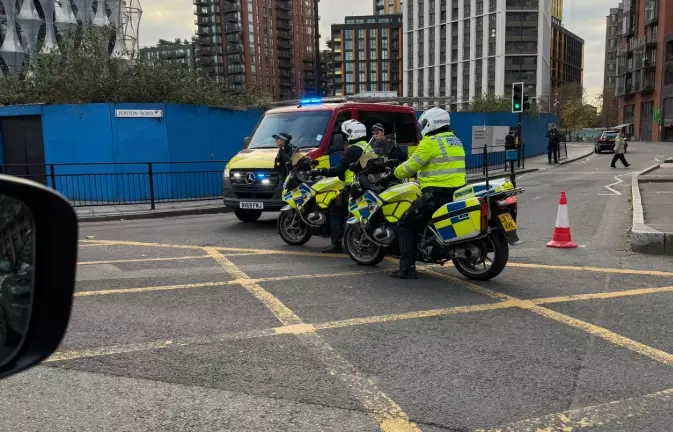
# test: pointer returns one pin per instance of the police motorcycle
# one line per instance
(309, 198)
(474, 231)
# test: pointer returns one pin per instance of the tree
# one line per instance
(82, 71)
(609, 107)
(488, 103)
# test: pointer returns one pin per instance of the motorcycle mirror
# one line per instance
(38, 272)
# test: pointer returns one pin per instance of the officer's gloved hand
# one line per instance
(318, 172)
(392, 163)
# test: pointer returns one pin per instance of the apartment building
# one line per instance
(367, 54)
(272, 44)
(463, 49)
(177, 53)
(327, 70)
(613, 26)
(557, 9)
(387, 7)
(567, 56)
(644, 80)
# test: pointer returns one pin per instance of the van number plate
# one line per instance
(251, 205)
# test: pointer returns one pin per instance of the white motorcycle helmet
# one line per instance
(353, 130)
(433, 119)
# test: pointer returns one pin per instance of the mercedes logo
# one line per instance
(250, 178)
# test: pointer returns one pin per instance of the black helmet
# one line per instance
(284, 136)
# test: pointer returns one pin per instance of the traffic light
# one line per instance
(526, 103)
(517, 97)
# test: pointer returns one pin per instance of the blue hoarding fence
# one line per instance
(102, 183)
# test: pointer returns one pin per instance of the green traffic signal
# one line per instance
(517, 106)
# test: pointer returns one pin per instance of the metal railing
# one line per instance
(133, 183)
(99, 184)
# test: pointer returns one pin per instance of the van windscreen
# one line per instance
(306, 127)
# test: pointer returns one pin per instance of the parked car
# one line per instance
(606, 141)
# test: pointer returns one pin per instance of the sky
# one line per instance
(170, 19)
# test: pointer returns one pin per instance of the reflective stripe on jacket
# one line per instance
(366, 148)
(439, 161)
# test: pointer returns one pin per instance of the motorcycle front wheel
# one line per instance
(491, 261)
(292, 229)
(360, 249)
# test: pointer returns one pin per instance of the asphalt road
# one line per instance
(207, 324)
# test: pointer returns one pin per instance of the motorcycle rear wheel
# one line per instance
(292, 229)
(494, 243)
(355, 242)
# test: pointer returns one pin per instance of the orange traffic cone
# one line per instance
(561, 237)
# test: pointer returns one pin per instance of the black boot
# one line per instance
(333, 248)
(409, 273)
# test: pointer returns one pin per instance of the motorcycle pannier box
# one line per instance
(460, 220)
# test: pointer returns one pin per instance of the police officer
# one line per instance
(439, 162)
(553, 144)
(384, 146)
(356, 137)
(285, 149)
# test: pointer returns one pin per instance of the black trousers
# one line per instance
(416, 219)
(338, 212)
(552, 149)
(619, 157)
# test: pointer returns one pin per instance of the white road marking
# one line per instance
(608, 187)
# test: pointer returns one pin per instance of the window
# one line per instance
(401, 124)
(350, 89)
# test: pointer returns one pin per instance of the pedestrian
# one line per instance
(620, 149)
(509, 141)
(552, 144)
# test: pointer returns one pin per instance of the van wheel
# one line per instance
(248, 216)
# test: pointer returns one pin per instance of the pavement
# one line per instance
(652, 188)
(204, 323)
(168, 209)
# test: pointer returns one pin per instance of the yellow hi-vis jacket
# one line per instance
(439, 161)
(366, 148)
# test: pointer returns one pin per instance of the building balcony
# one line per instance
(282, 44)
(283, 5)
(235, 59)
(283, 34)
(284, 82)
(234, 48)
(231, 18)
(284, 54)
(283, 24)
(283, 63)
(206, 20)
(231, 6)
(282, 14)
(232, 28)
(204, 2)
(234, 39)
(236, 79)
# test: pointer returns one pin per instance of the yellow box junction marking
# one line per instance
(603, 333)
(138, 260)
(591, 416)
(389, 415)
(213, 284)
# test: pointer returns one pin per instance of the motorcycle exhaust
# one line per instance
(384, 235)
(316, 218)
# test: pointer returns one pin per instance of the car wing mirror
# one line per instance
(37, 272)
(246, 142)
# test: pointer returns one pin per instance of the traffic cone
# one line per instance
(561, 237)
